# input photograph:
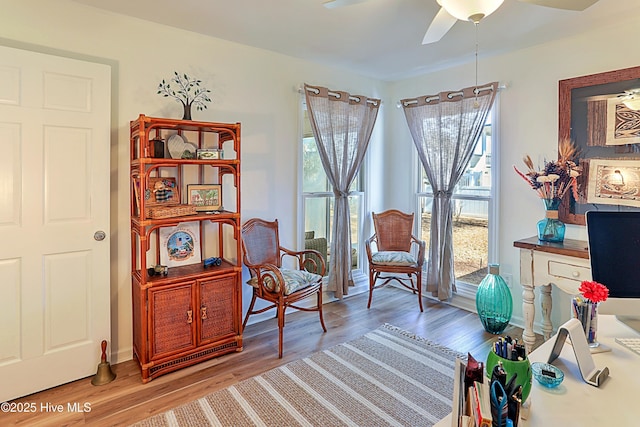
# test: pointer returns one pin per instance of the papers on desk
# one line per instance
(479, 404)
(459, 398)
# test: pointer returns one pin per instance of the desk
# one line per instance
(576, 403)
(543, 264)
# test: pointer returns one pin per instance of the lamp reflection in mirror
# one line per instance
(617, 180)
(470, 10)
(631, 99)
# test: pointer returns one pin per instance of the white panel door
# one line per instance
(54, 197)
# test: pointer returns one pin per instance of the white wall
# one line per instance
(528, 125)
(259, 89)
(255, 87)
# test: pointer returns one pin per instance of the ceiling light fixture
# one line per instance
(476, 104)
(473, 11)
(470, 10)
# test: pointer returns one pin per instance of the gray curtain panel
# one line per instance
(445, 128)
(342, 126)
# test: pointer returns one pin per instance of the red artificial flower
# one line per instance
(594, 291)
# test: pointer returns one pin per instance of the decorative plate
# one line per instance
(180, 148)
(180, 244)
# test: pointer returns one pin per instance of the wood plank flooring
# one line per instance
(126, 400)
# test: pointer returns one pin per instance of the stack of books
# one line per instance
(479, 404)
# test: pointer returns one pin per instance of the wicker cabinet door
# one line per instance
(218, 305)
(172, 320)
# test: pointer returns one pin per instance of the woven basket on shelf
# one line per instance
(159, 212)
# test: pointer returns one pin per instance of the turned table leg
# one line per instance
(528, 298)
(529, 312)
(547, 327)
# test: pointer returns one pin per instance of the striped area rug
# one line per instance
(386, 377)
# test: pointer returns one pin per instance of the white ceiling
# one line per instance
(377, 38)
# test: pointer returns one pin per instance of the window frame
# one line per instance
(466, 291)
(361, 192)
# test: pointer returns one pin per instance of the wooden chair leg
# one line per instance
(419, 286)
(413, 288)
(320, 309)
(372, 281)
(253, 301)
(280, 328)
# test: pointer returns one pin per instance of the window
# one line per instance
(473, 200)
(318, 201)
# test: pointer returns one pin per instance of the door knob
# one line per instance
(99, 235)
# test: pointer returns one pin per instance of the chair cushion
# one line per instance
(309, 235)
(294, 280)
(393, 258)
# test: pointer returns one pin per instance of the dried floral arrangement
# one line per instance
(557, 177)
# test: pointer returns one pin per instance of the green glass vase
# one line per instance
(493, 301)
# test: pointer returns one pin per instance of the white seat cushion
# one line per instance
(294, 280)
(393, 258)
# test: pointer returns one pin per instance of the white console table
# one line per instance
(542, 264)
(576, 403)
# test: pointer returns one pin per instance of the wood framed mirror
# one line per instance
(577, 123)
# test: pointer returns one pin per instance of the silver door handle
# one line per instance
(99, 235)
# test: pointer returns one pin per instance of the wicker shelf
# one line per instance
(186, 313)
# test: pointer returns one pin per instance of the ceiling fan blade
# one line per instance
(440, 25)
(563, 4)
(332, 4)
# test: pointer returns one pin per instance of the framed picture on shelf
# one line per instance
(180, 245)
(162, 191)
(205, 197)
(209, 154)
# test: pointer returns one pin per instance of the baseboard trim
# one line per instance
(464, 298)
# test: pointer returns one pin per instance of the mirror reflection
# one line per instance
(600, 113)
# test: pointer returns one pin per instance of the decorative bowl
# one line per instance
(546, 374)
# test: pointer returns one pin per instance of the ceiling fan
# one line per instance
(466, 10)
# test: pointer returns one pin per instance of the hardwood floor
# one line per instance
(126, 400)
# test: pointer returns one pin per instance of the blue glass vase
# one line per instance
(493, 301)
(551, 229)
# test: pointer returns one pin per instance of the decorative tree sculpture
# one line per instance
(187, 91)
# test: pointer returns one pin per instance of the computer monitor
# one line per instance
(614, 251)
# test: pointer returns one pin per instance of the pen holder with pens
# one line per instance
(520, 367)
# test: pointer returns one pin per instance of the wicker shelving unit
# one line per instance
(188, 312)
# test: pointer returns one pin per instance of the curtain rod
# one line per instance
(337, 95)
(450, 95)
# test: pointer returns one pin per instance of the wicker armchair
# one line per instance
(282, 287)
(317, 244)
(393, 241)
